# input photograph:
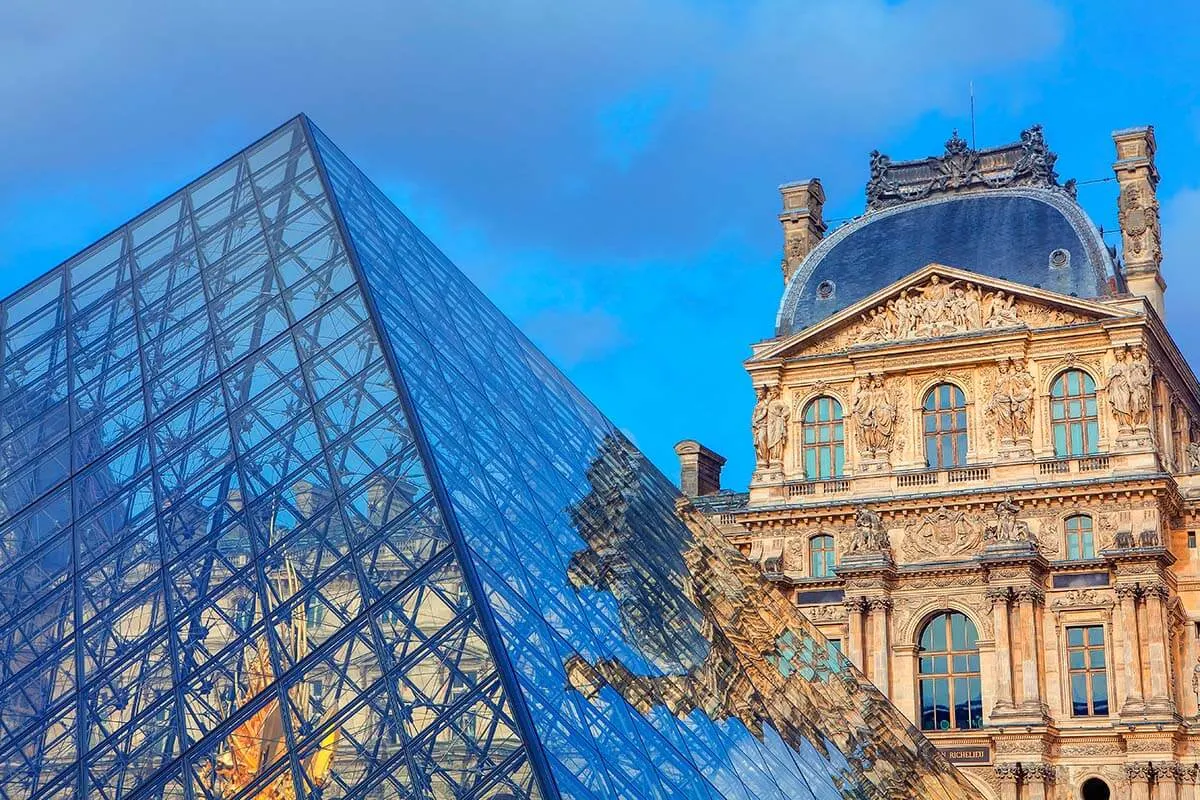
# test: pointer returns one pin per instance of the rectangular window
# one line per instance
(1087, 672)
(1192, 539)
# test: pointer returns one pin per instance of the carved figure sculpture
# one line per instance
(869, 533)
(1141, 383)
(1000, 311)
(875, 418)
(1120, 394)
(1148, 538)
(778, 415)
(1193, 457)
(758, 428)
(938, 308)
(1123, 540)
(1012, 400)
(1006, 528)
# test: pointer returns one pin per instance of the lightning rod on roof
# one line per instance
(971, 86)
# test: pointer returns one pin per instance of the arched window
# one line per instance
(945, 427)
(821, 556)
(1080, 542)
(1073, 416)
(824, 439)
(948, 684)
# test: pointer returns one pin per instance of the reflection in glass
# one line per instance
(292, 511)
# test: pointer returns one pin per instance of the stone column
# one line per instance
(1166, 781)
(1028, 599)
(1138, 774)
(1157, 647)
(1009, 774)
(1187, 785)
(1003, 653)
(854, 635)
(880, 643)
(1131, 661)
(1039, 781)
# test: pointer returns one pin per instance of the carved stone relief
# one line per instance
(1129, 385)
(874, 412)
(942, 307)
(942, 534)
(1010, 407)
(1138, 218)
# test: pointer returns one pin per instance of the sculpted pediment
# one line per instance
(939, 301)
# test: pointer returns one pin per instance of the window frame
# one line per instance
(1081, 537)
(828, 556)
(1086, 422)
(950, 426)
(1088, 672)
(950, 676)
(828, 454)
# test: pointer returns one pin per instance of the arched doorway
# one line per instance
(1094, 789)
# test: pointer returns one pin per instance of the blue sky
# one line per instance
(606, 170)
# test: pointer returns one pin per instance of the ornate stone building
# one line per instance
(978, 456)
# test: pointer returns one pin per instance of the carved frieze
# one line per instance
(942, 307)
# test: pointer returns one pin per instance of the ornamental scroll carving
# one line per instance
(1138, 218)
(942, 534)
(874, 413)
(1029, 162)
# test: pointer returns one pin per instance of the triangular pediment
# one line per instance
(934, 302)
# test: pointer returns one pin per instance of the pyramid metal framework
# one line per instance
(289, 509)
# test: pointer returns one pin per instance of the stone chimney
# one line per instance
(1137, 211)
(699, 469)
(803, 226)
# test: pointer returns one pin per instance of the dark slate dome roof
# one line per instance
(1034, 235)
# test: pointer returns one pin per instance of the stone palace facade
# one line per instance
(978, 464)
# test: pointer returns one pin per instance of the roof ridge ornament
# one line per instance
(1028, 162)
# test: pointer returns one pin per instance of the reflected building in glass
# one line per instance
(289, 510)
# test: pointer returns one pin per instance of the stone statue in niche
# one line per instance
(874, 417)
(758, 428)
(778, 415)
(1012, 401)
(869, 533)
(1141, 384)
(1006, 528)
(1130, 381)
(1120, 397)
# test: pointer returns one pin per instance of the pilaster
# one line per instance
(1009, 774)
(1138, 774)
(1016, 574)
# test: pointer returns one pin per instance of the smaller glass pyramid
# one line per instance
(288, 509)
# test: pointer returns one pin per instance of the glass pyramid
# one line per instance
(288, 509)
